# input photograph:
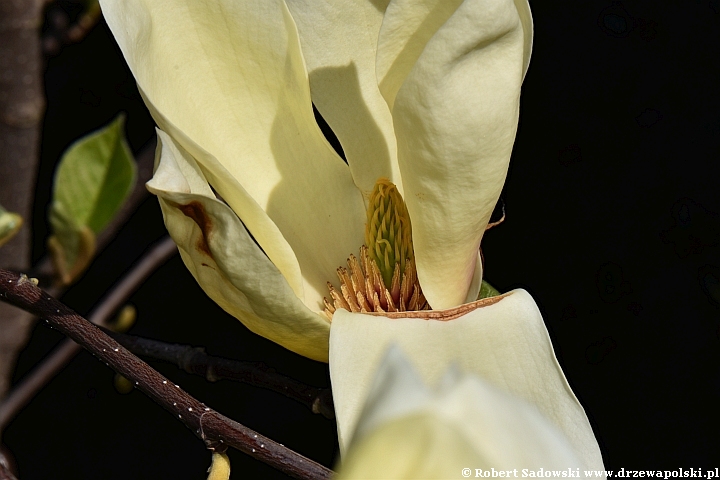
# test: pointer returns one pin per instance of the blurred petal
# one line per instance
(504, 342)
(408, 431)
(339, 41)
(225, 260)
(230, 76)
(418, 446)
(455, 118)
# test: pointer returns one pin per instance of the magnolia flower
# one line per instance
(423, 96)
(463, 427)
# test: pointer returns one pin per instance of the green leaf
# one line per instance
(64, 243)
(487, 290)
(94, 177)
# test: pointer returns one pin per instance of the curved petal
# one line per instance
(406, 29)
(407, 430)
(505, 343)
(523, 8)
(225, 260)
(339, 41)
(455, 118)
(230, 76)
(265, 232)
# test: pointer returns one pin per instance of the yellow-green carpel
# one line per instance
(384, 278)
(388, 233)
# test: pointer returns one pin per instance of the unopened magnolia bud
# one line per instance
(220, 467)
(125, 319)
(10, 223)
(122, 384)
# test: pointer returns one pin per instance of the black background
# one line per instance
(612, 225)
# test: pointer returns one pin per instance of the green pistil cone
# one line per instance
(388, 233)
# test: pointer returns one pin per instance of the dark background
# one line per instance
(612, 225)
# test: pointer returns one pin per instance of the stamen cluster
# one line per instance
(362, 288)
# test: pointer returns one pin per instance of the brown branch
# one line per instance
(51, 366)
(216, 430)
(194, 360)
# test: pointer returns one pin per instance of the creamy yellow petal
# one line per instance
(339, 41)
(523, 8)
(230, 76)
(505, 343)
(225, 260)
(265, 232)
(407, 430)
(455, 118)
(406, 29)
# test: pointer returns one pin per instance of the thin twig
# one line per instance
(33, 382)
(216, 430)
(195, 360)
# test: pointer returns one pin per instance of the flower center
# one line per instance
(384, 278)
